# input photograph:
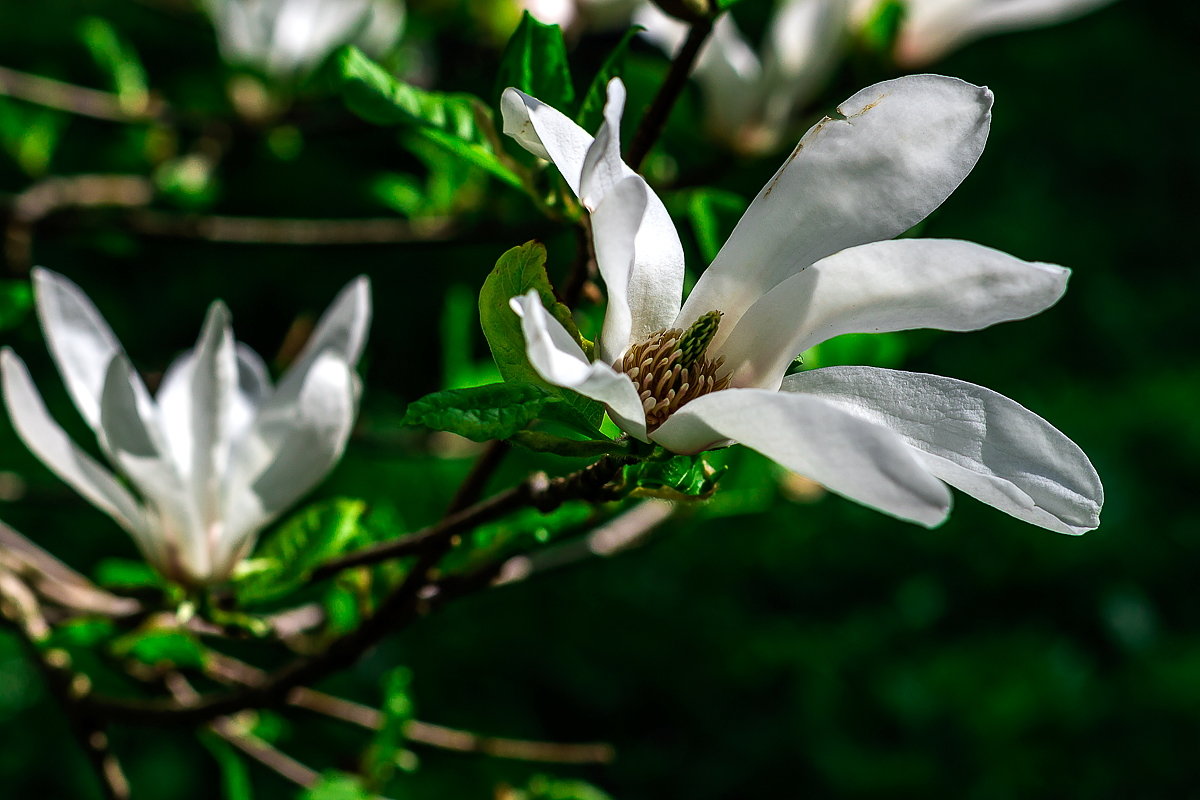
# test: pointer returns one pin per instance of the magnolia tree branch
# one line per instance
(20, 608)
(401, 607)
(73, 99)
(224, 668)
(655, 118)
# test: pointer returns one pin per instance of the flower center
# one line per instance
(669, 368)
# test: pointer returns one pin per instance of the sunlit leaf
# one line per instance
(118, 60)
(535, 61)
(480, 413)
(160, 648)
(338, 786)
(674, 477)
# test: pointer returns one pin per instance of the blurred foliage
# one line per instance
(771, 642)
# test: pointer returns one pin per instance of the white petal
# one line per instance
(50, 443)
(341, 330)
(213, 388)
(886, 286)
(861, 461)
(304, 439)
(900, 150)
(933, 28)
(731, 74)
(133, 441)
(976, 440)
(546, 132)
(804, 41)
(560, 361)
(80, 341)
(653, 286)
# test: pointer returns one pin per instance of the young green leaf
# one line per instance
(591, 110)
(675, 478)
(307, 539)
(387, 746)
(160, 647)
(480, 413)
(338, 786)
(119, 61)
(535, 61)
(235, 776)
(459, 123)
(519, 270)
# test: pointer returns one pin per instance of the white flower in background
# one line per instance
(288, 38)
(932, 28)
(749, 100)
(219, 453)
(809, 261)
(581, 14)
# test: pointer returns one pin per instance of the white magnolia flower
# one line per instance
(749, 100)
(288, 38)
(932, 28)
(581, 14)
(219, 453)
(809, 261)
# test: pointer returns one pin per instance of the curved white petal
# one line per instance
(886, 286)
(80, 341)
(308, 438)
(341, 330)
(614, 232)
(859, 460)
(804, 40)
(560, 361)
(900, 149)
(731, 74)
(932, 28)
(546, 132)
(213, 388)
(50, 443)
(976, 440)
(653, 287)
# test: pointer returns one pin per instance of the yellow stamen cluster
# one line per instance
(669, 368)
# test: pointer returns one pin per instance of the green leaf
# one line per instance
(120, 573)
(881, 27)
(235, 776)
(480, 413)
(119, 61)
(459, 123)
(535, 61)
(542, 442)
(674, 477)
(307, 539)
(713, 213)
(338, 786)
(591, 110)
(519, 270)
(160, 648)
(16, 298)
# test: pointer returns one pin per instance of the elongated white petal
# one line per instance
(614, 231)
(932, 28)
(307, 439)
(47, 440)
(214, 396)
(602, 165)
(560, 361)
(900, 149)
(974, 439)
(859, 460)
(547, 133)
(886, 286)
(804, 40)
(135, 444)
(341, 330)
(80, 341)
(731, 74)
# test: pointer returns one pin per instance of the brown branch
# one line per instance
(485, 466)
(655, 118)
(229, 669)
(403, 605)
(271, 230)
(74, 99)
(20, 609)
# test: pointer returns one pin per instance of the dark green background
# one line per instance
(811, 649)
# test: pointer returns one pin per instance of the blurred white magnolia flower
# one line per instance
(219, 453)
(749, 100)
(288, 38)
(932, 28)
(809, 261)
(581, 14)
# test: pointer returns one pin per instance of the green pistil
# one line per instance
(696, 339)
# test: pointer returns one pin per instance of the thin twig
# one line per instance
(20, 608)
(230, 669)
(295, 231)
(473, 486)
(74, 99)
(655, 117)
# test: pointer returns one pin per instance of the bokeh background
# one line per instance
(782, 644)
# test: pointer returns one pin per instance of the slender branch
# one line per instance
(230, 669)
(270, 230)
(20, 608)
(403, 605)
(74, 99)
(655, 117)
(473, 486)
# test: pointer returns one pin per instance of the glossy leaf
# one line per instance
(480, 413)
(535, 61)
